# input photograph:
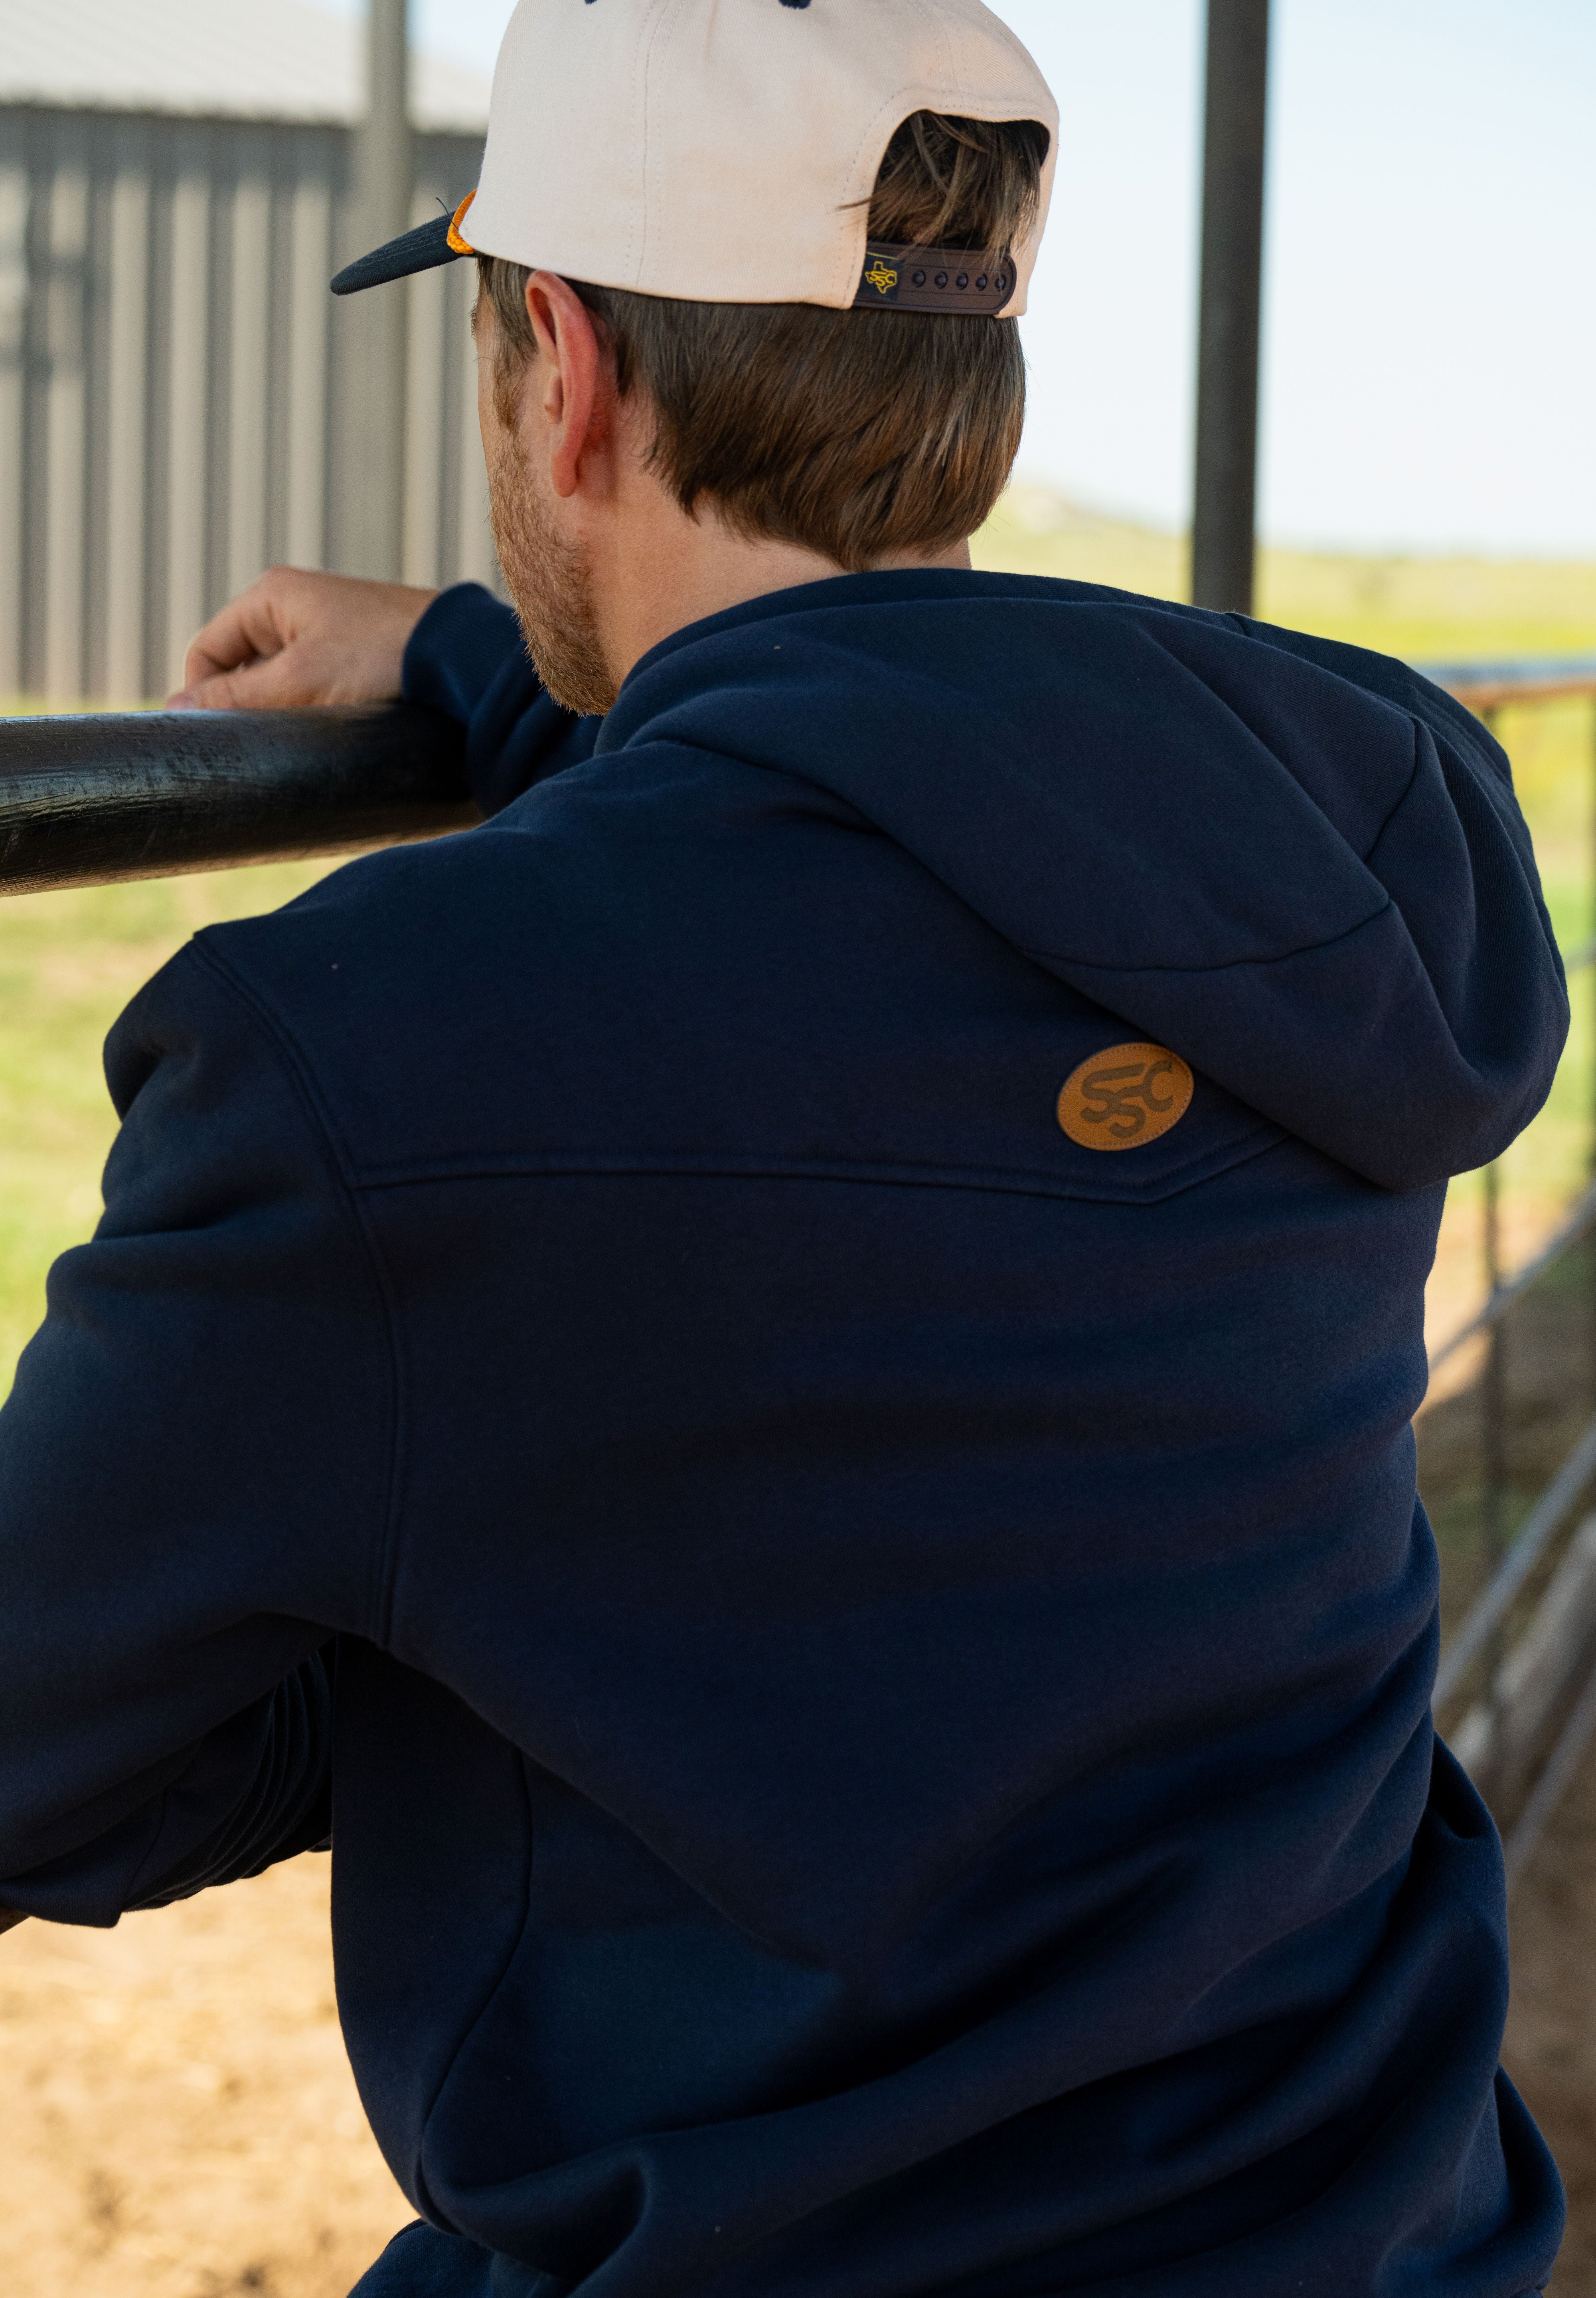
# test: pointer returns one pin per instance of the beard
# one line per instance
(549, 583)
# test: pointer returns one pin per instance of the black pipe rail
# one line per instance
(85, 801)
(1235, 133)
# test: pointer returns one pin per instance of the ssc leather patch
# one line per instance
(1125, 1096)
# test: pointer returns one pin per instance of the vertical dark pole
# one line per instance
(1494, 1403)
(385, 184)
(1493, 1432)
(1493, 1494)
(1233, 135)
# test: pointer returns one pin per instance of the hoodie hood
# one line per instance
(1298, 865)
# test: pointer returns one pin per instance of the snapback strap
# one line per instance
(961, 280)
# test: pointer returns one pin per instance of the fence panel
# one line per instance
(180, 398)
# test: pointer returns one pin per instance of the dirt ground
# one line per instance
(1551, 2031)
(178, 2119)
(1550, 2048)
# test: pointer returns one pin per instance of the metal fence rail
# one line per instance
(86, 801)
(1478, 1646)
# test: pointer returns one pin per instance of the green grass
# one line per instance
(1554, 750)
(1424, 609)
(69, 962)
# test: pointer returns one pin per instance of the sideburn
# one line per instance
(548, 583)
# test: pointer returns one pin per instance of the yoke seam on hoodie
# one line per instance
(661, 1165)
(302, 1079)
(1226, 965)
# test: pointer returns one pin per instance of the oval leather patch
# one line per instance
(1125, 1097)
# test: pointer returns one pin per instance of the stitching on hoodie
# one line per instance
(1226, 965)
(157, 1810)
(301, 1079)
(1020, 1182)
(491, 1995)
(1418, 732)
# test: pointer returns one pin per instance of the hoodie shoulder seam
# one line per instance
(303, 1083)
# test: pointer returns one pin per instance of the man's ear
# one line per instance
(570, 378)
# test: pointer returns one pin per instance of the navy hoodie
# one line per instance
(867, 1663)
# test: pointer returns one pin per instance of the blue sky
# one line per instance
(1430, 364)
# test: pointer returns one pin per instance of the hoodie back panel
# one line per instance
(880, 1722)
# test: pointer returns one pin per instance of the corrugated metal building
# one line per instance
(180, 397)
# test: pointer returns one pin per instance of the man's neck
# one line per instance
(679, 570)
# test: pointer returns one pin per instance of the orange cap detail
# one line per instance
(460, 246)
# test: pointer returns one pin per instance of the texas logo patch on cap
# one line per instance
(1125, 1097)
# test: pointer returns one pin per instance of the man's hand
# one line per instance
(294, 639)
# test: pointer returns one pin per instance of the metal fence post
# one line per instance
(1494, 1466)
(386, 177)
(1493, 1431)
(1233, 135)
(1493, 1392)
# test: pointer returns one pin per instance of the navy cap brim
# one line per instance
(421, 249)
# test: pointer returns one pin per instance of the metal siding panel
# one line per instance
(126, 517)
(172, 375)
(33, 478)
(446, 167)
(279, 365)
(310, 374)
(188, 397)
(102, 143)
(14, 315)
(386, 169)
(67, 433)
(450, 166)
(347, 364)
(249, 276)
(224, 161)
(427, 332)
(163, 169)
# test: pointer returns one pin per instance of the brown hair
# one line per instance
(856, 434)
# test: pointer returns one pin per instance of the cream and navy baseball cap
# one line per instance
(725, 151)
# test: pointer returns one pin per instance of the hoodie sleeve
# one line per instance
(467, 658)
(194, 1466)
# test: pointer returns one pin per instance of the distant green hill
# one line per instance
(1424, 609)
